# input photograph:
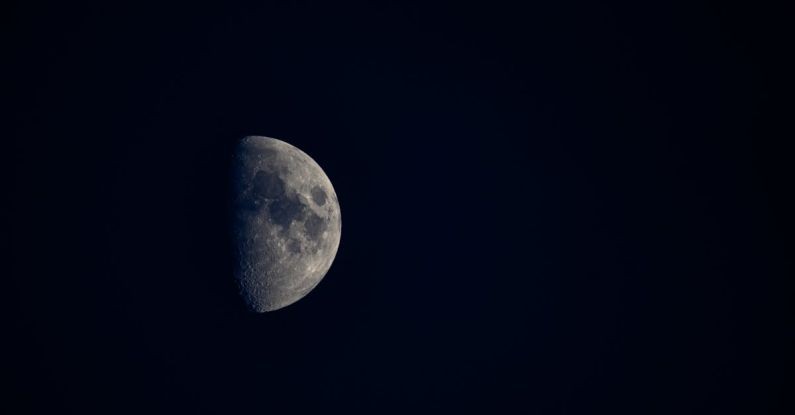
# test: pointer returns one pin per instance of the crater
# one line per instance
(315, 225)
(294, 246)
(286, 210)
(250, 203)
(266, 153)
(267, 185)
(318, 195)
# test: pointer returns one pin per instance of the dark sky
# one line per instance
(557, 208)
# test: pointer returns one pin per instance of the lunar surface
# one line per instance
(286, 223)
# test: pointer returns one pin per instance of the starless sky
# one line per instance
(553, 207)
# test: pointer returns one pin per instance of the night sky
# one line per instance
(559, 208)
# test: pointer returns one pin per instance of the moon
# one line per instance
(286, 222)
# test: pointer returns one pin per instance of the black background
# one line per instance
(573, 207)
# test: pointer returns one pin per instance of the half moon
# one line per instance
(286, 222)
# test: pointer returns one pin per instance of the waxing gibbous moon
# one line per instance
(286, 222)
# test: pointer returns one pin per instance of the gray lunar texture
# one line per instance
(286, 223)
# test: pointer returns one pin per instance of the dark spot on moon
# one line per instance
(294, 246)
(285, 211)
(315, 225)
(250, 203)
(267, 153)
(318, 195)
(267, 185)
